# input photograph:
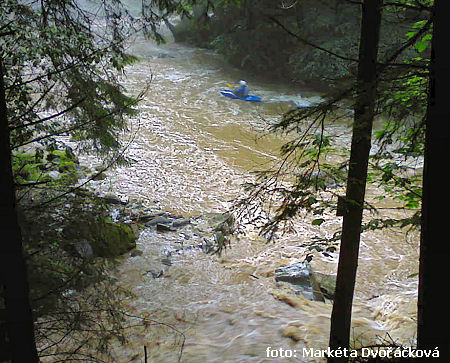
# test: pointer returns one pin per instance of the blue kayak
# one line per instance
(230, 94)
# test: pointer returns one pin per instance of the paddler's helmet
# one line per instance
(243, 83)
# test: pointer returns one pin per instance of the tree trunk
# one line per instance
(433, 317)
(357, 175)
(16, 319)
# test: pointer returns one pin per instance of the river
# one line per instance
(192, 149)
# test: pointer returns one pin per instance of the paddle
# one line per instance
(229, 85)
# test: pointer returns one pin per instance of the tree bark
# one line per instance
(18, 341)
(357, 175)
(433, 315)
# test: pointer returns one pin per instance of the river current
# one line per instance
(192, 149)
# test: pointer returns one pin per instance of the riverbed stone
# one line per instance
(327, 284)
(111, 239)
(135, 252)
(164, 223)
(221, 222)
(154, 273)
(164, 227)
(180, 222)
(159, 220)
(111, 198)
(302, 277)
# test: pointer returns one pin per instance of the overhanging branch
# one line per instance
(307, 42)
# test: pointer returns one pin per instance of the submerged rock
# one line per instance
(302, 277)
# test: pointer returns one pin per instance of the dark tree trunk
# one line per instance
(433, 315)
(16, 319)
(357, 175)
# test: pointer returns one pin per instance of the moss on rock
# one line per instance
(111, 239)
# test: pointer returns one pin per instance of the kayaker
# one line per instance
(243, 90)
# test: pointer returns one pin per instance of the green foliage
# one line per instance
(62, 65)
(317, 222)
(56, 167)
(72, 296)
(393, 177)
(55, 64)
(26, 168)
(240, 32)
(246, 34)
(424, 41)
(401, 139)
(298, 183)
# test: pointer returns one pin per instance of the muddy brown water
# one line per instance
(192, 150)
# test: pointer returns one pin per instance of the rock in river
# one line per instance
(159, 220)
(164, 223)
(302, 277)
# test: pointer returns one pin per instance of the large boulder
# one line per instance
(106, 238)
(327, 284)
(111, 239)
(303, 278)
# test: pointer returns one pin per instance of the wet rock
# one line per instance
(302, 277)
(166, 261)
(180, 222)
(155, 274)
(112, 199)
(111, 239)
(218, 227)
(135, 228)
(159, 220)
(163, 227)
(327, 284)
(138, 215)
(136, 252)
(164, 223)
(107, 238)
(221, 222)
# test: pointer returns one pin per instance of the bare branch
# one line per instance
(307, 42)
(76, 104)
